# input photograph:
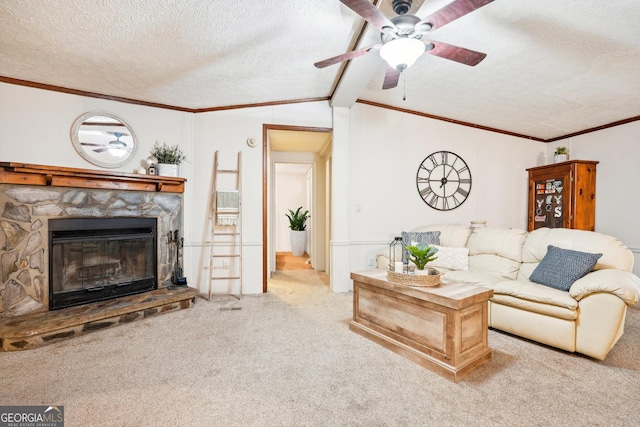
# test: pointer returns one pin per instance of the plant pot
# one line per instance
(166, 169)
(426, 272)
(557, 158)
(298, 242)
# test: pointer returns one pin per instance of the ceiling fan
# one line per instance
(116, 146)
(402, 36)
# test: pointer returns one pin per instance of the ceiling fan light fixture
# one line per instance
(117, 148)
(117, 152)
(402, 52)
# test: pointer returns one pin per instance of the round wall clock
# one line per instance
(443, 180)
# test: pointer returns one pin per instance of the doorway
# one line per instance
(303, 149)
(293, 192)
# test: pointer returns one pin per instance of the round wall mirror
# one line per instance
(104, 139)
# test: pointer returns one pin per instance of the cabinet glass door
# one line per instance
(550, 203)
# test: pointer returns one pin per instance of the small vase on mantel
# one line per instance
(166, 169)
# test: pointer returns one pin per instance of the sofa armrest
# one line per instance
(623, 284)
(382, 261)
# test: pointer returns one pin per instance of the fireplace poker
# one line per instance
(177, 278)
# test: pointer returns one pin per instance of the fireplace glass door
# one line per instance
(94, 264)
(101, 263)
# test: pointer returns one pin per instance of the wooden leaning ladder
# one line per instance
(227, 234)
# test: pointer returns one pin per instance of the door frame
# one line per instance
(265, 187)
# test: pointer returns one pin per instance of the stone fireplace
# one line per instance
(75, 219)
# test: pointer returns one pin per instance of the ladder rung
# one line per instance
(227, 171)
(225, 278)
(226, 256)
(227, 212)
(225, 234)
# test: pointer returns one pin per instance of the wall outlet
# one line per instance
(372, 262)
(225, 263)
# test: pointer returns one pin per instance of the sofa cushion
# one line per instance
(561, 267)
(451, 258)
(535, 307)
(503, 242)
(614, 253)
(534, 292)
(417, 237)
(496, 250)
(452, 235)
(472, 278)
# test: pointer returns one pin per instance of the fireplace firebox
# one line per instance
(95, 259)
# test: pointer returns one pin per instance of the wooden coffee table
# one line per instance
(442, 328)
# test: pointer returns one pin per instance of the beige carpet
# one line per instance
(287, 358)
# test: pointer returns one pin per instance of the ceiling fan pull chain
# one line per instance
(404, 87)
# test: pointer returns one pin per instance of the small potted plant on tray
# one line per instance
(420, 255)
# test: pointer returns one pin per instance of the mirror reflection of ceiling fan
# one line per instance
(116, 147)
(402, 37)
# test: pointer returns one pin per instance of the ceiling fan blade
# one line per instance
(451, 12)
(391, 78)
(92, 144)
(455, 53)
(101, 150)
(370, 13)
(345, 56)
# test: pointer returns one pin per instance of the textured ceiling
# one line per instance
(552, 68)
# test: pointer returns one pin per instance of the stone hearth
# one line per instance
(39, 329)
(30, 195)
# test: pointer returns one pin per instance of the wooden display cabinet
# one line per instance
(563, 195)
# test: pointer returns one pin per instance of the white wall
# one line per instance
(227, 131)
(35, 127)
(376, 153)
(386, 149)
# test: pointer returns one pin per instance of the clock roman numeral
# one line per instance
(425, 192)
(434, 162)
(423, 167)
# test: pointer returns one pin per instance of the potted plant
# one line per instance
(420, 255)
(560, 155)
(297, 224)
(169, 158)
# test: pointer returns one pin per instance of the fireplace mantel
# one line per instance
(39, 175)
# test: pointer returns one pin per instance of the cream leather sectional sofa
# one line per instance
(588, 318)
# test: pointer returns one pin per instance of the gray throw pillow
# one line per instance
(561, 267)
(410, 237)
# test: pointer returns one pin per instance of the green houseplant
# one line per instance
(421, 254)
(169, 158)
(297, 224)
(168, 154)
(297, 220)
